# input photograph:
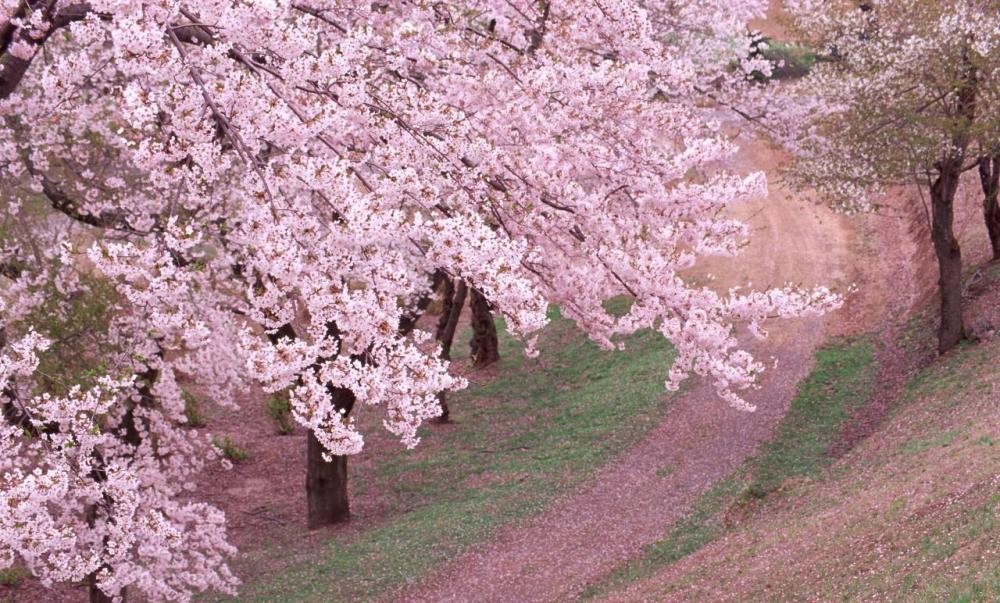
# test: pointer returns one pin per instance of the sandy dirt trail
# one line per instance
(701, 439)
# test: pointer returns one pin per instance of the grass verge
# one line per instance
(911, 514)
(840, 381)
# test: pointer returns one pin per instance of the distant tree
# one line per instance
(989, 178)
(910, 97)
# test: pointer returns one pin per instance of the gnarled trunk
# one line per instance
(326, 481)
(989, 176)
(484, 345)
(949, 255)
(454, 301)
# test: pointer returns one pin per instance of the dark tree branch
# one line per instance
(13, 68)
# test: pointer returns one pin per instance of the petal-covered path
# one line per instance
(701, 440)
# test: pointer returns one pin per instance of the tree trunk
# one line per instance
(943, 189)
(8, 409)
(445, 416)
(454, 301)
(989, 175)
(484, 345)
(130, 434)
(144, 388)
(949, 254)
(11, 413)
(326, 481)
(408, 321)
(97, 595)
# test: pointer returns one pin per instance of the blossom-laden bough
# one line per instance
(272, 189)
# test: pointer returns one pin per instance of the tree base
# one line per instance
(484, 347)
(326, 486)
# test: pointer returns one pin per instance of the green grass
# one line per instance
(841, 380)
(968, 529)
(194, 410)
(952, 373)
(920, 445)
(13, 576)
(538, 429)
(980, 590)
(790, 61)
(279, 408)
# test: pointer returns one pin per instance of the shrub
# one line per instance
(193, 410)
(279, 408)
(12, 576)
(790, 60)
(230, 449)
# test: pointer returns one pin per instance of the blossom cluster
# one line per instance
(882, 107)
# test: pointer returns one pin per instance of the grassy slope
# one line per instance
(541, 427)
(912, 514)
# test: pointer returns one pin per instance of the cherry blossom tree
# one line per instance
(274, 189)
(909, 96)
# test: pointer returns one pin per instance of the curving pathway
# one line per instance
(700, 440)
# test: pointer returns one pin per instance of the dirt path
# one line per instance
(700, 440)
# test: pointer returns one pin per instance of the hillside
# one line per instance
(909, 514)
(909, 511)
